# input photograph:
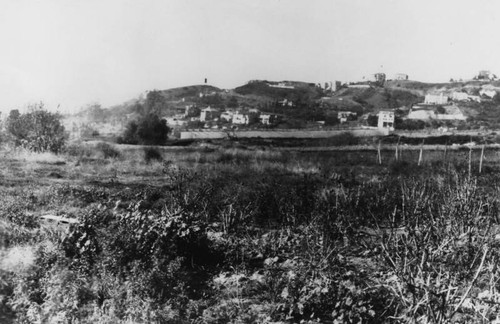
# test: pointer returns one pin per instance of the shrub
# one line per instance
(78, 150)
(37, 130)
(152, 154)
(149, 130)
(107, 150)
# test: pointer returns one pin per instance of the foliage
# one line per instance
(149, 130)
(152, 154)
(95, 113)
(245, 235)
(372, 120)
(107, 150)
(37, 130)
(409, 124)
(155, 103)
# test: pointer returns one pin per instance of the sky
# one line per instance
(73, 53)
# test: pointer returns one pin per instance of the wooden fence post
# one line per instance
(397, 146)
(420, 155)
(379, 155)
(481, 159)
(470, 161)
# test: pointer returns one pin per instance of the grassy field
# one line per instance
(244, 233)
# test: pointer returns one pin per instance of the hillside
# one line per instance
(370, 100)
(291, 90)
(306, 102)
(189, 91)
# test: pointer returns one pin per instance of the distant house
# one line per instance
(386, 120)
(343, 116)
(439, 99)
(227, 116)
(209, 114)
(332, 86)
(460, 96)
(286, 102)
(241, 119)
(175, 121)
(487, 93)
(377, 79)
(400, 76)
(269, 119)
(486, 75)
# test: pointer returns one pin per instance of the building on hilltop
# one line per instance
(377, 79)
(401, 77)
(331, 86)
(386, 119)
(486, 75)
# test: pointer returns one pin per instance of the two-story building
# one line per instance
(386, 119)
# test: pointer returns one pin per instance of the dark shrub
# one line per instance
(107, 150)
(37, 130)
(152, 154)
(149, 130)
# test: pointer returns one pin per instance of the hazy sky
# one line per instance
(74, 53)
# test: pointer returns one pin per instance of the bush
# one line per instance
(107, 150)
(78, 150)
(149, 130)
(341, 139)
(37, 130)
(152, 154)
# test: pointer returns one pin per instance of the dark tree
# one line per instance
(149, 130)
(372, 120)
(232, 102)
(38, 130)
(156, 103)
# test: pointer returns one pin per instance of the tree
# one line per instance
(38, 130)
(372, 120)
(440, 110)
(96, 113)
(232, 102)
(149, 130)
(155, 102)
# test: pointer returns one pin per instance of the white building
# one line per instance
(269, 119)
(386, 119)
(227, 116)
(488, 93)
(439, 99)
(459, 96)
(400, 76)
(175, 121)
(241, 119)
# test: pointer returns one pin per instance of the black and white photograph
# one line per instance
(249, 161)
